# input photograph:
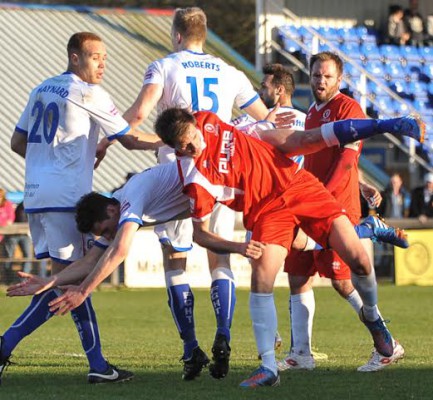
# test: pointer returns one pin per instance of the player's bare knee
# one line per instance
(344, 287)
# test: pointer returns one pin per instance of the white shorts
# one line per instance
(177, 234)
(222, 221)
(55, 235)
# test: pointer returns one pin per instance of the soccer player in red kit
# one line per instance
(337, 168)
(218, 163)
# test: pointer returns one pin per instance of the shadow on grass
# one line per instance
(55, 382)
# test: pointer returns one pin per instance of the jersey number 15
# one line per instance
(207, 92)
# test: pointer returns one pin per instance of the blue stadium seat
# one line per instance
(410, 53)
(305, 34)
(402, 108)
(419, 90)
(329, 33)
(400, 86)
(365, 36)
(370, 52)
(426, 54)
(351, 71)
(414, 71)
(394, 70)
(326, 47)
(376, 90)
(428, 71)
(290, 45)
(348, 35)
(430, 89)
(351, 50)
(376, 68)
(291, 31)
(422, 106)
(384, 106)
(390, 52)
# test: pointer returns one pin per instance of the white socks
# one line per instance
(264, 319)
(301, 308)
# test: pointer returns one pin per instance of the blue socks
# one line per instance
(223, 297)
(36, 314)
(181, 303)
(364, 231)
(87, 326)
(357, 129)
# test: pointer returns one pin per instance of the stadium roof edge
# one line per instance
(88, 9)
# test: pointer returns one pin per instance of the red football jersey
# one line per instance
(323, 163)
(239, 171)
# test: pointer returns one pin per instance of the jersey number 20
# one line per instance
(207, 92)
(49, 117)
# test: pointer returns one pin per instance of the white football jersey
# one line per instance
(244, 121)
(62, 121)
(152, 196)
(200, 82)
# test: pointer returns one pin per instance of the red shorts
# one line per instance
(326, 262)
(306, 203)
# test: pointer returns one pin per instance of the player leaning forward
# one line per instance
(217, 163)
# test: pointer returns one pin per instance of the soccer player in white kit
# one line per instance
(57, 134)
(193, 79)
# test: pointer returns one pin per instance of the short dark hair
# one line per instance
(92, 208)
(327, 56)
(77, 40)
(281, 75)
(173, 123)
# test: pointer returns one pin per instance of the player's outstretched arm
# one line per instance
(32, 284)
(110, 260)
(73, 273)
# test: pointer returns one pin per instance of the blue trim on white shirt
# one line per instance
(136, 220)
(22, 131)
(248, 103)
(100, 245)
(49, 209)
(119, 134)
(194, 52)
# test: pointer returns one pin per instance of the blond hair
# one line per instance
(190, 23)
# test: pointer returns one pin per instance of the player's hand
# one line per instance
(70, 299)
(271, 117)
(101, 151)
(371, 194)
(253, 249)
(285, 120)
(32, 284)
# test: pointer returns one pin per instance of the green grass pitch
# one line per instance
(138, 333)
